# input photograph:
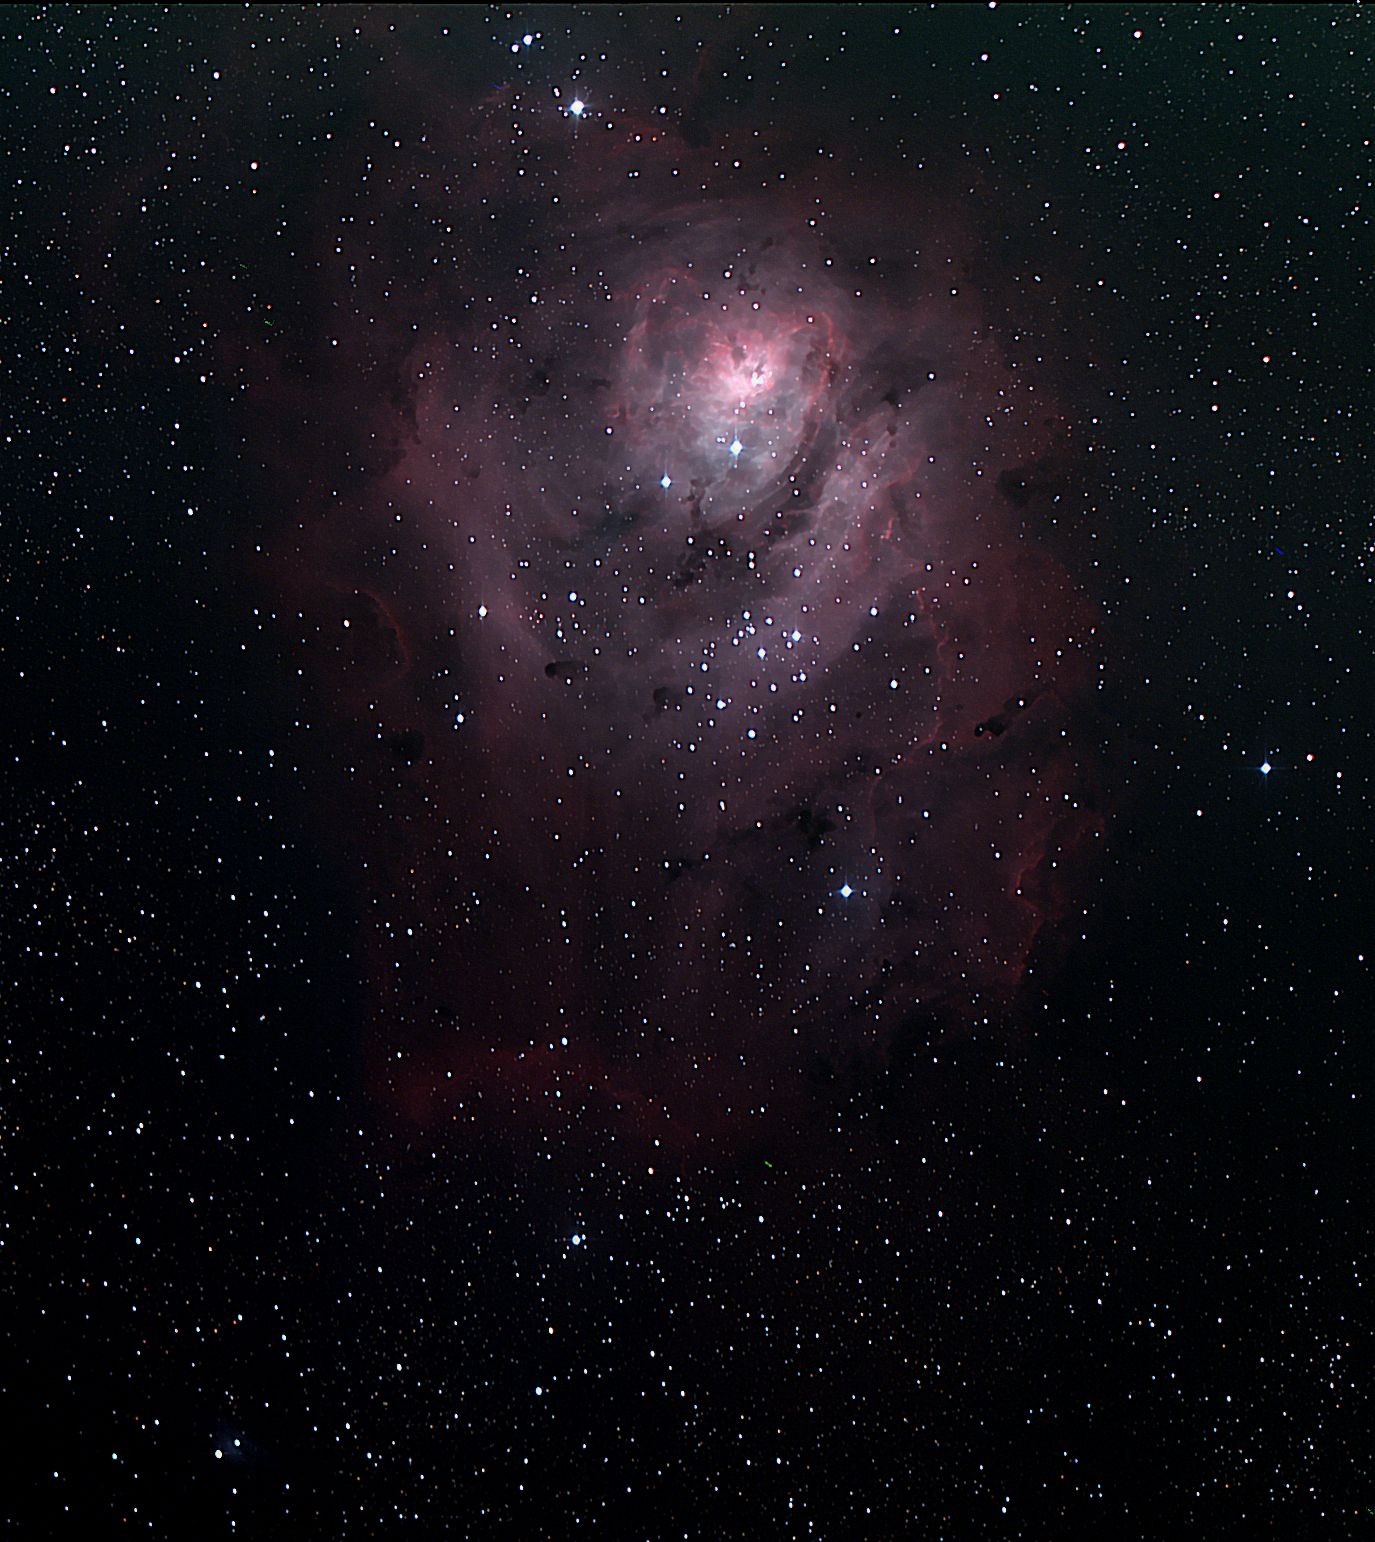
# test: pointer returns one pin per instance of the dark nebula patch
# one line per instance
(407, 746)
(681, 561)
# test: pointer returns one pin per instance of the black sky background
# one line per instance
(1099, 1270)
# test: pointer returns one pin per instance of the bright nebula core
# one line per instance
(692, 621)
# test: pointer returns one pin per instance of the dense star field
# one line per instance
(686, 851)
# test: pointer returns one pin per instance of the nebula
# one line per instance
(702, 681)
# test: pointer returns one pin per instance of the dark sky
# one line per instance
(686, 848)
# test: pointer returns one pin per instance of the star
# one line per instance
(735, 446)
(665, 481)
(846, 891)
(577, 107)
(1266, 768)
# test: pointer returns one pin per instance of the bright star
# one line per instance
(665, 481)
(1266, 769)
(735, 446)
(846, 891)
(577, 107)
